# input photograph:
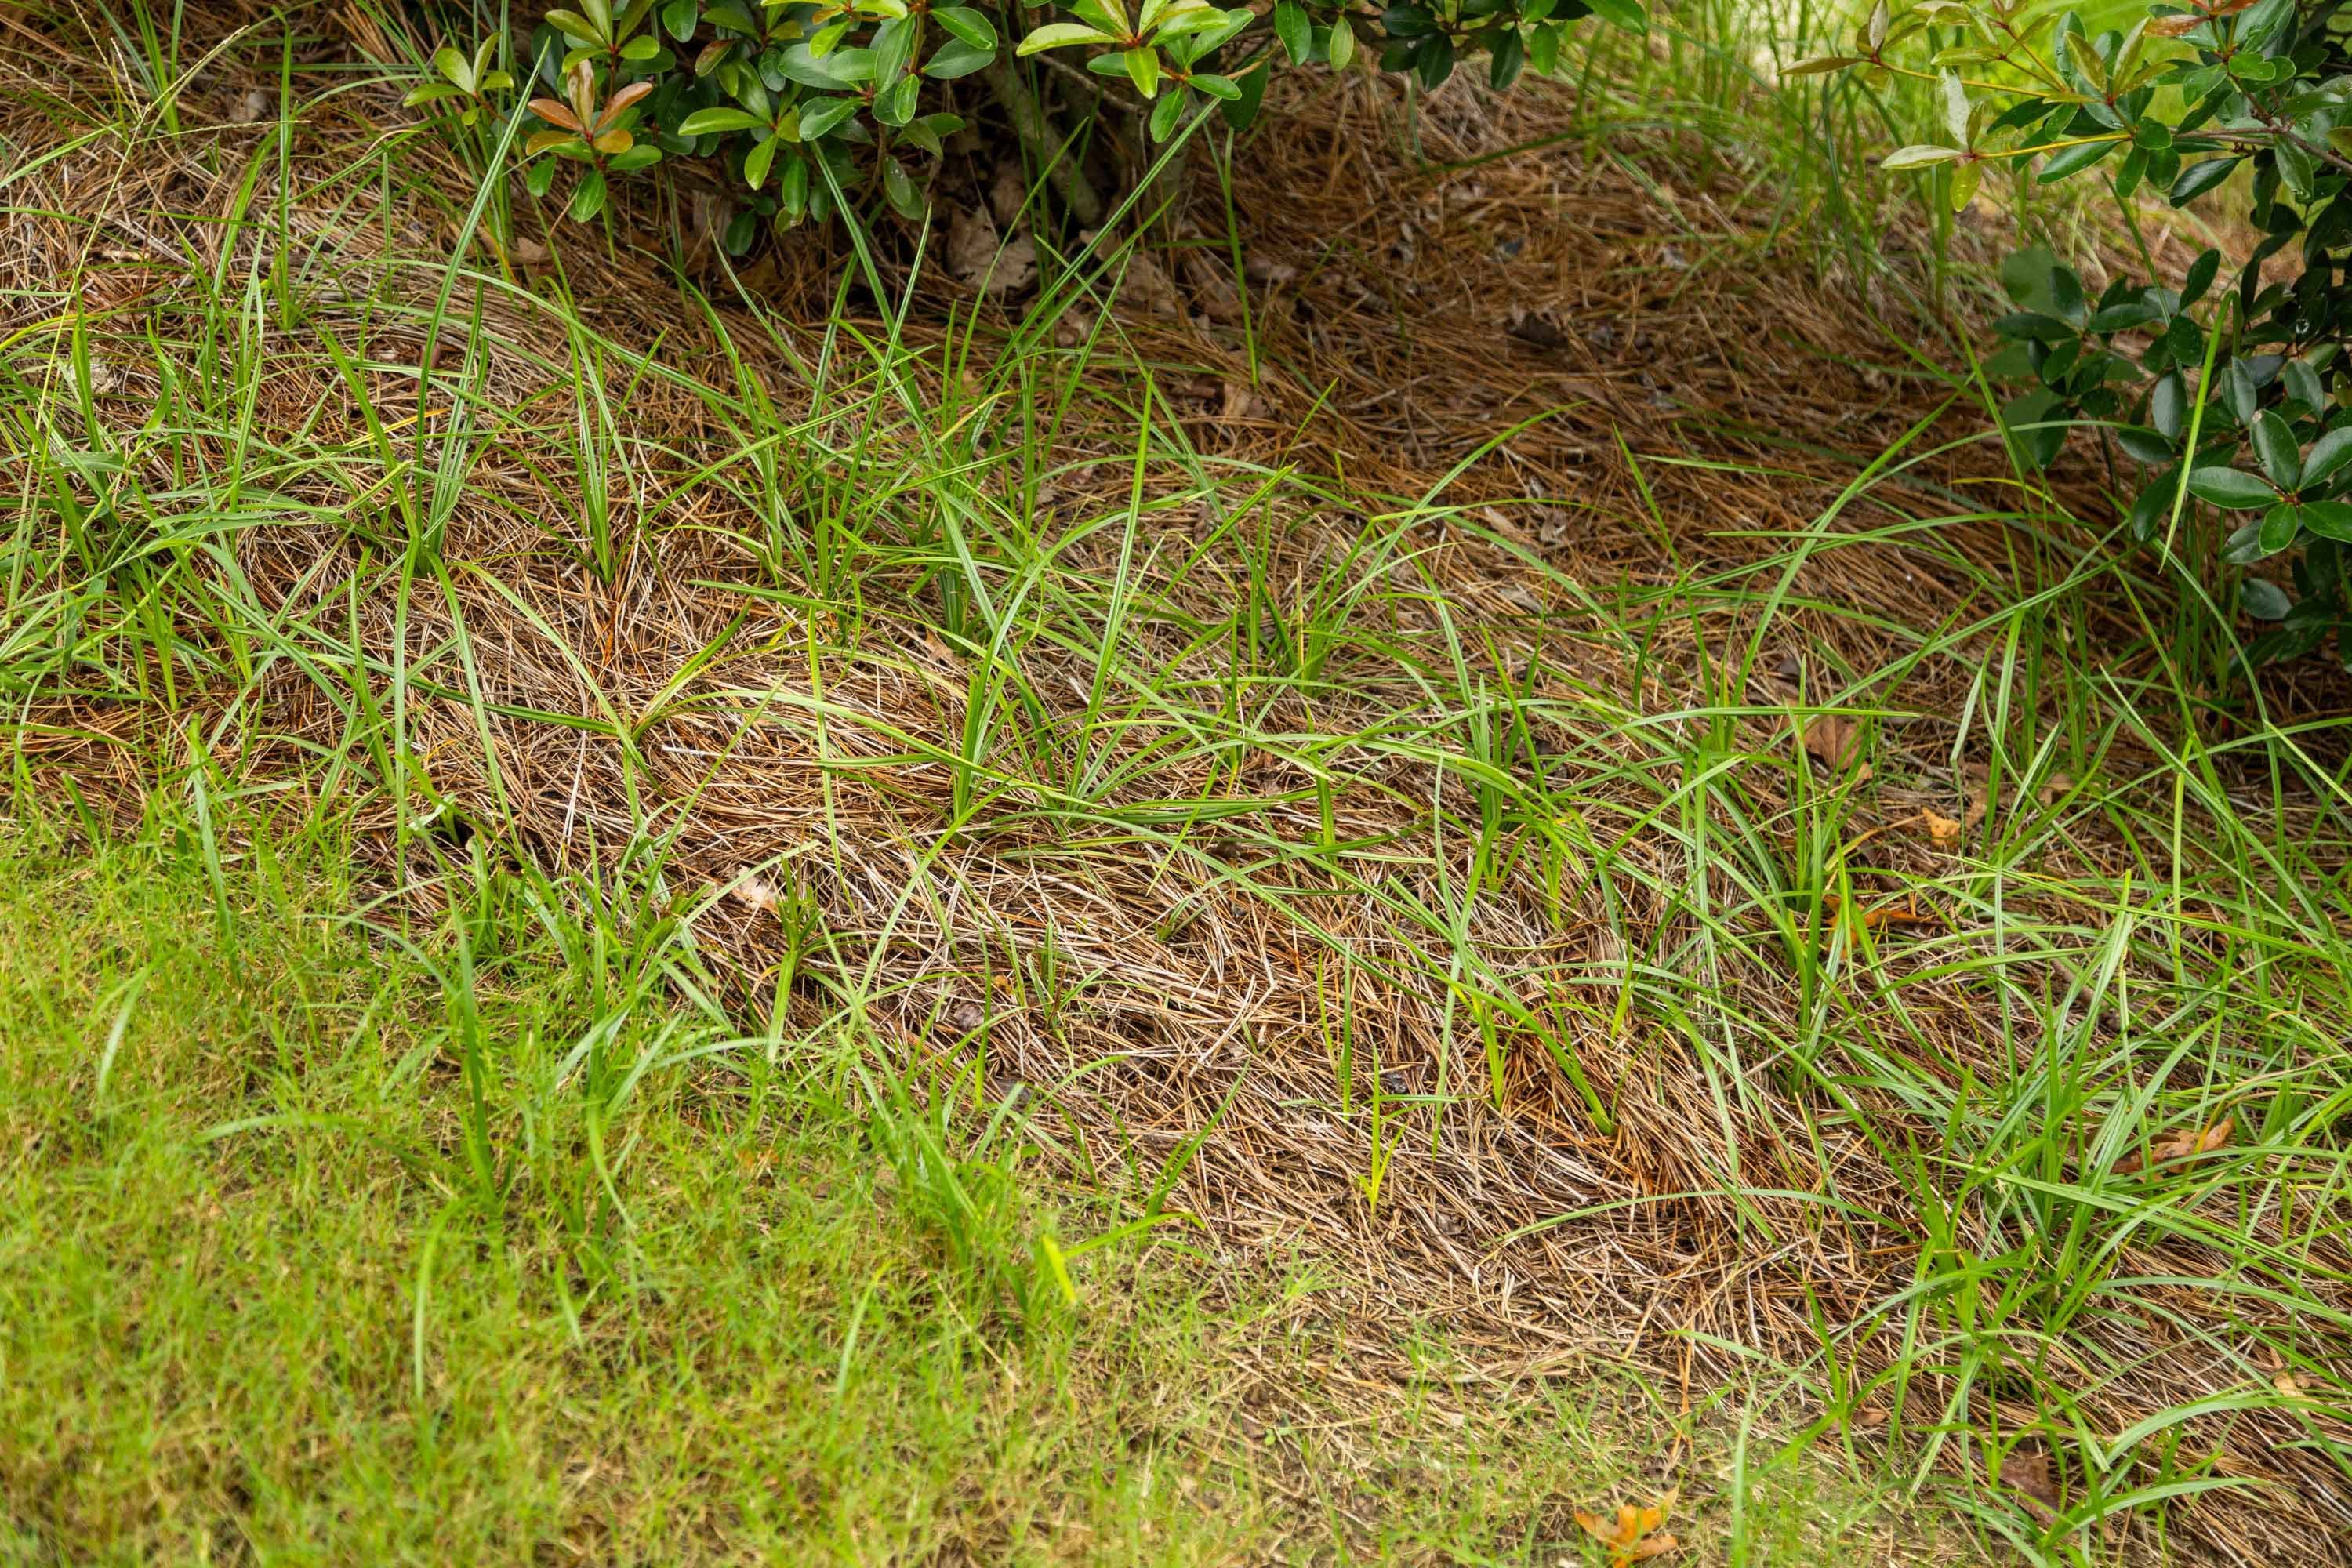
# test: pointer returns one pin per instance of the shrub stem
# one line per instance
(1051, 150)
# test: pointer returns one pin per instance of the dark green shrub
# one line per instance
(809, 104)
(2224, 395)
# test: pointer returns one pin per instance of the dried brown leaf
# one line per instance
(1147, 286)
(2188, 1143)
(1008, 192)
(1883, 918)
(2034, 1475)
(1213, 289)
(978, 256)
(1835, 740)
(1633, 1536)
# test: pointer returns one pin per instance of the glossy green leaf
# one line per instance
(1543, 49)
(820, 115)
(1432, 61)
(967, 26)
(2144, 445)
(1163, 115)
(2168, 406)
(706, 121)
(2327, 457)
(1241, 112)
(575, 26)
(832, 72)
(1143, 71)
(2265, 601)
(792, 192)
(1919, 156)
(2074, 160)
(2121, 317)
(2199, 178)
(1061, 35)
(2231, 489)
(2328, 519)
(899, 189)
(957, 58)
(1964, 179)
(760, 160)
(1953, 96)
(895, 105)
(2245, 545)
(1291, 29)
(2274, 449)
(588, 199)
(1502, 64)
(2304, 386)
(2281, 524)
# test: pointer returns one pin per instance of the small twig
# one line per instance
(2286, 132)
(1099, 86)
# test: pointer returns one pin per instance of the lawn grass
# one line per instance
(674, 930)
(256, 1302)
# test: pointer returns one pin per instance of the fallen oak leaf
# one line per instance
(980, 257)
(1880, 918)
(2032, 1475)
(1943, 831)
(2282, 1377)
(1633, 1536)
(2187, 1143)
(1835, 740)
(757, 892)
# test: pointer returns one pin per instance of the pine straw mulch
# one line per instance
(1625, 288)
